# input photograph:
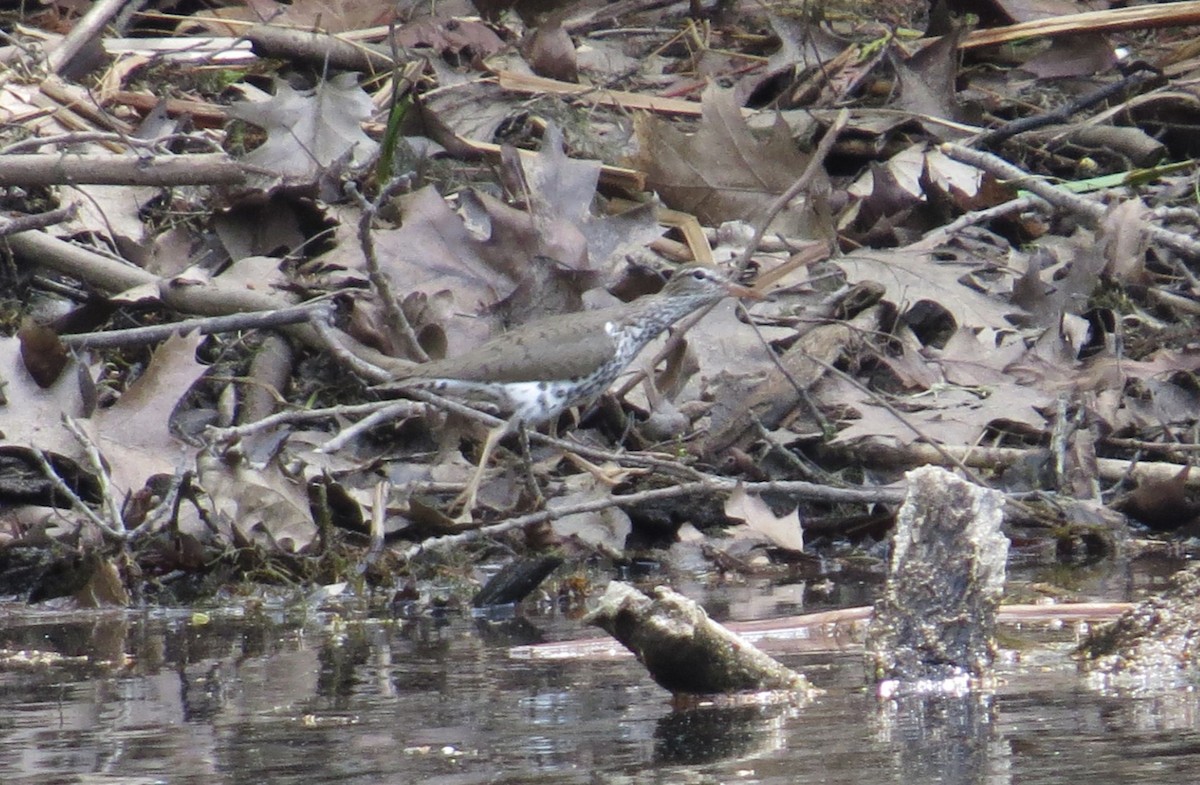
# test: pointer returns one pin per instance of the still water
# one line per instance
(272, 697)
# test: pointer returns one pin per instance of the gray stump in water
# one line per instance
(685, 651)
(937, 616)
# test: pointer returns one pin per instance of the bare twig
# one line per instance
(167, 509)
(941, 234)
(1089, 210)
(107, 496)
(26, 223)
(1110, 469)
(331, 344)
(76, 502)
(314, 311)
(81, 137)
(1146, 446)
(397, 321)
(395, 411)
(298, 415)
(84, 31)
(79, 262)
(316, 47)
(707, 487)
(1132, 83)
(815, 166)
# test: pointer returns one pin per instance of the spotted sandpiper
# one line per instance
(537, 371)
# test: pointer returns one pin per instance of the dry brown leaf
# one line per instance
(606, 529)
(453, 39)
(782, 531)
(1163, 505)
(911, 275)
(885, 194)
(927, 79)
(499, 261)
(113, 211)
(32, 416)
(968, 387)
(1083, 55)
(723, 172)
(43, 354)
(253, 227)
(104, 587)
(308, 130)
(951, 415)
(1123, 241)
(975, 358)
(134, 434)
(264, 505)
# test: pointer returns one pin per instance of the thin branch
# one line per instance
(917, 454)
(1090, 210)
(815, 166)
(167, 509)
(941, 234)
(395, 411)
(107, 496)
(329, 341)
(76, 502)
(315, 47)
(27, 223)
(707, 487)
(81, 137)
(1132, 83)
(215, 434)
(397, 321)
(135, 336)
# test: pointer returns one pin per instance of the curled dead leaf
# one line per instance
(783, 531)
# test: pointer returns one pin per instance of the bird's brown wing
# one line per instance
(561, 347)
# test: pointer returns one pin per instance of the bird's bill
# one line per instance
(737, 290)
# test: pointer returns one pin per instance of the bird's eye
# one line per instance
(699, 275)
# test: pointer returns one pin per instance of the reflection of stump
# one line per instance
(937, 616)
(683, 649)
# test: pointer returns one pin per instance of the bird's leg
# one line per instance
(531, 483)
(610, 477)
(467, 497)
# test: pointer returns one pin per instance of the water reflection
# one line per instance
(712, 734)
(160, 698)
(949, 738)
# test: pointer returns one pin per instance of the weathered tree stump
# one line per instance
(1156, 644)
(685, 651)
(936, 619)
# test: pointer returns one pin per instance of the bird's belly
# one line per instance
(545, 400)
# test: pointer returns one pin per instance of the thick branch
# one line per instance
(159, 170)
(318, 48)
